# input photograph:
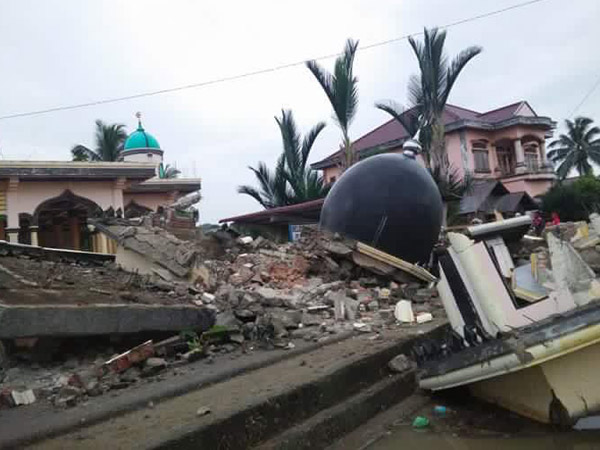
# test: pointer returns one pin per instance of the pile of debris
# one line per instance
(259, 294)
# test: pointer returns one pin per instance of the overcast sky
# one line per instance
(61, 52)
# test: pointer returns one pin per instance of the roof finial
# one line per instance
(139, 118)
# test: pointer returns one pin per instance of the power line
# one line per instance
(256, 72)
(585, 97)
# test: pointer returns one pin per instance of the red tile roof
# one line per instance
(391, 131)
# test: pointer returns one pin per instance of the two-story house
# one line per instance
(506, 144)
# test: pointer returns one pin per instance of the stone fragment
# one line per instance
(152, 366)
(245, 315)
(208, 298)
(26, 397)
(203, 411)
(424, 317)
(401, 363)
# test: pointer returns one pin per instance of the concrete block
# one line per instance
(71, 320)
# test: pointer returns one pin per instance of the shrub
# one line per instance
(574, 201)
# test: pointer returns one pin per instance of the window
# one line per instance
(332, 179)
(531, 158)
(481, 157)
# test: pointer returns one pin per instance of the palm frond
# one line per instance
(309, 141)
(252, 192)
(341, 89)
(451, 184)
(109, 140)
(409, 119)
(457, 65)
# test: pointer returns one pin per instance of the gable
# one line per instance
(525, 111)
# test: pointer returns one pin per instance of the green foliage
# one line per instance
(341, 89)
(192, 340)
(428, 93)
(168, 171)
(574, 201)
(292, 181)
(577, 148)
(109, 139)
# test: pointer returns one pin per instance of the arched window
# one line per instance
(481, 156)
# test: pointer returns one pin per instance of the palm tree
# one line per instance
(292, 181)
(341, 89)
(168, 171)
(577, 148)
(429, 92)
(274, 190)
(305, 183)
(109, 144)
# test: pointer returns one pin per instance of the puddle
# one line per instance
(408, 439)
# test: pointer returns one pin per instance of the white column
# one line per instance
(12, 210)
(543, 161)
(520, 155)
(34, 235)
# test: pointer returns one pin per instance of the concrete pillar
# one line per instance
(520, 156)
(102, 243)
(12, 204)
(12, 235)
(34, 235)
(493, 158)
(543, 160)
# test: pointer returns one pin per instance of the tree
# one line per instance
(168, 171)
(573, 201)
(428, 94)
(292, 181)
(109, 144)
(453, 187)
(341, 89)
(577, 148)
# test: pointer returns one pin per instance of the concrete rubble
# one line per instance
(259, 295)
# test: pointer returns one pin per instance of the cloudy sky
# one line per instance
(63, 52)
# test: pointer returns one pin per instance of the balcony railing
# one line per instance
(531, 167)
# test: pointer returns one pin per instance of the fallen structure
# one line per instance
(524, 334)
(217, 294)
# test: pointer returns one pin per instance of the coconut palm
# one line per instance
(577, 148)
(429, 92)
(341, 89)
(292, 181)
(168, 171)
(109, 144)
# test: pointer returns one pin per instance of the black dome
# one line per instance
(387, 201)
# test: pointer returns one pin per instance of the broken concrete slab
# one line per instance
(79, 320)
(571, 272)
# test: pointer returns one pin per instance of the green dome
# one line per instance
(141, 139)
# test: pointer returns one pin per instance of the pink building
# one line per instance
(506, 144)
